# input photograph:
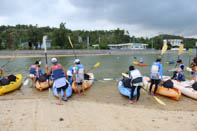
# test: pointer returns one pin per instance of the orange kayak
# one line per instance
(86, 83)
(172, 93)
(139, 64)
(43, 85)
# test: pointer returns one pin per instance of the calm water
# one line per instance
(102, 91)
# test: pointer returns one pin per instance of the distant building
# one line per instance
(25, 45)
(128, 46)
(175, 42)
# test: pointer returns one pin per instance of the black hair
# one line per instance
(131, 67)
(179, 61)
(158, 59)
(37, 62)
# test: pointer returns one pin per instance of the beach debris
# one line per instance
(61, 119)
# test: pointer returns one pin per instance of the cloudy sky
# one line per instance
(140, 17)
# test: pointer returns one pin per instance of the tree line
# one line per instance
(12, 37)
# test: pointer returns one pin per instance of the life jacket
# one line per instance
(155, 71)
(180, 69)
(33, 70)
(195, 68)
(136, 78)
(57, 71)
(80, 73)
(70, 71)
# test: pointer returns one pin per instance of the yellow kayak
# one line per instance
(12, 86)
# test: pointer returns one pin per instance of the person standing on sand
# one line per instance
(34, 72)
(136, 82)
(79, 75)
(59, 77)
(156, 73)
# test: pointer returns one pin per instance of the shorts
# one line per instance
(79, 83)
(62, 88)
(32, 75)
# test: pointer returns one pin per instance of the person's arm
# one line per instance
(160, 70)
(65, 73)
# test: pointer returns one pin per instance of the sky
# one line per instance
(144, 18)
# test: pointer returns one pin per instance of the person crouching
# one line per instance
(136, 82)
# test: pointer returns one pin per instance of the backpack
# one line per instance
(126, 82)
(194, 86)
(168, 84)
(42, 78)
(86, 77)
(4, 81)
(12, 77)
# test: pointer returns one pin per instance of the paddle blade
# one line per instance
(190, 52)
(164, 48)
(97, 64)
(26, 82)
(70, 41)
(125, 75)
(188, 69)
(180, 49)
(159, 101)
(45, 43)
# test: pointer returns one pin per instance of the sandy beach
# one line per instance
(37, 111)
(45, 115)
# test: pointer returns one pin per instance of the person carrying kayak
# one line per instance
(79, 75)
(59, 77)
(136, 82)
(179, 73)
(34, 72)
(155, 75)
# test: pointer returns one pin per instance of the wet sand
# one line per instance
(103, 108)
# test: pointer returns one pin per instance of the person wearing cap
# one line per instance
(79, 75)
(155, 75)
(59, 77)
(136, 82)
(34, 72)
(179, 73)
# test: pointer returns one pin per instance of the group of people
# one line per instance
(59, 76)
(156, 76)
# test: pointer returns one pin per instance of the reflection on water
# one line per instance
(102, 91)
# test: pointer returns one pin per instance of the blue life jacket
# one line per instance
(33, 70)
(57, 71)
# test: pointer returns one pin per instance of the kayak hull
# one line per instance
(43, 85)
(139, 64)
(172, 93)
(12, 86)
(125, 91)
(68, 91)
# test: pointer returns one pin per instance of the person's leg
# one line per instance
(60, 96)
(138, 93)
(64, 90)
(156, 86)
(132, 91)
(151, 85)
(78, 87)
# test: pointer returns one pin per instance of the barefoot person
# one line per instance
(79, 75)
(59, 77)
(34, 72)
(156, 73)
(136, 82)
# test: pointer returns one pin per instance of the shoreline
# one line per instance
(64, 53)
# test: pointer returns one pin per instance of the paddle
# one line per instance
(164, 48)
(10, 60)
(95, 66)
(72, 47)
(45, 47)
(180, 52)
(157, 99)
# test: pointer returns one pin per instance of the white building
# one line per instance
(175, 42)
(128, 46)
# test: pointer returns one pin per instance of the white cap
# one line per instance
(77, 61)
(54, 60)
